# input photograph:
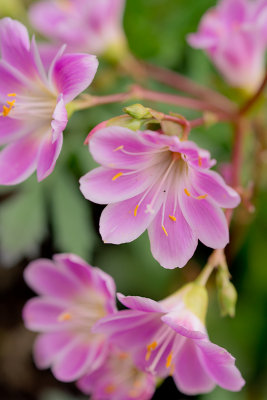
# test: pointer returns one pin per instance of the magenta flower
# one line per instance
(73, 296)
(157, 182)
(169, 338)
(33, 103)
(234, 35)
(118, 379)
(90, 26)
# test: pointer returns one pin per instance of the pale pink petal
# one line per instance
(60, 118)
(185, 323)
(207, 220)
(73, 73)
(48, 155)
(189, 375)
(174, 245)
(10, 81)
(11, 129)
(48, 346)
(220, 366)
(105, 185)
(43, 314)
(15, 46)
(141, 303)
(18, 160)
(125, 221)
(211, 183)
(49, 279)
(112, 145)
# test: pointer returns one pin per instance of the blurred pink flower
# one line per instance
(234, 35)
(73, 296)
(157, 182)
(169, 338)
(118, 379)
(33, 102)
(90, 26)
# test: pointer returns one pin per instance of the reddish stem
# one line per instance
(253, 100)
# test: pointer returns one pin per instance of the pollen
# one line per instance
(119, 148)
(65, 316)
(204, 196)
(109, 389)
(117, 176)
(10, 104)
(169, 361)
(12, 95)
(199, 161)
(150, 348)
(172, 217)
(187, 192)
(135, 210)
(164, 230)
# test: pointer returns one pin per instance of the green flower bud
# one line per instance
(227, 293)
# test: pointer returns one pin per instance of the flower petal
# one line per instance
(73, 73)
(10, 82)
(18, 160)
(112, 145)
(220, 366)
(11, 129)
(206, 220)
(189, 375)
(185, 323)
(48, 278)
(125, 221)
(48, 155)
(141, 303)
(213, 184)
(60, 118)
(105, 185)
(172, 240)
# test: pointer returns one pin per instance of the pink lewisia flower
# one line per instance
(118, 379)
(33, 103)
(73, 297)
(234, 36)
(169, 338)
(89, 26)
(150, 180)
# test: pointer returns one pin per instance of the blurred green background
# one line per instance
(42, 219)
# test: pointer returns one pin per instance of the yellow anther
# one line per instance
(110, 389)
(204, 196)
(150, 348)
(200, 161)
(6, 111)
(123, 356)
(172, 369)
(187, 192)
(117, 176)
(11, 103)
(164, 230)
(169, 360)
(11, 95)
(65, 316)
(119, 148)
(135, 210)
(172, 217)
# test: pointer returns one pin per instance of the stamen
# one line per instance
(164, 230)
(199, 161)
(187, 192)
(6, 111)
(176, 156)
(172, 369)
(204, 196)
(135, 210)
(172, 218)
(65, 316)
(11, 103)
(11, 95)
(119, 148)
(117, 176)
(110, 389)
(169, 360)
(150, 348)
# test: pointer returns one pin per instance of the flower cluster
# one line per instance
(234, 35)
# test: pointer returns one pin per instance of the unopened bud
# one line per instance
(138, 111)
(227, 293)
(196, 300)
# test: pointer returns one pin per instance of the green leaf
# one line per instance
(71, 219)
(22, 223)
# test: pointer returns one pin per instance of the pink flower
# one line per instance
(234, 35)
(118, 379)
(169, 338)
(33, 103)
(90, 26)
(157, 182)
(73, 296)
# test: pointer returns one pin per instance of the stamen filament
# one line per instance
(164, 230)
(117, 176)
